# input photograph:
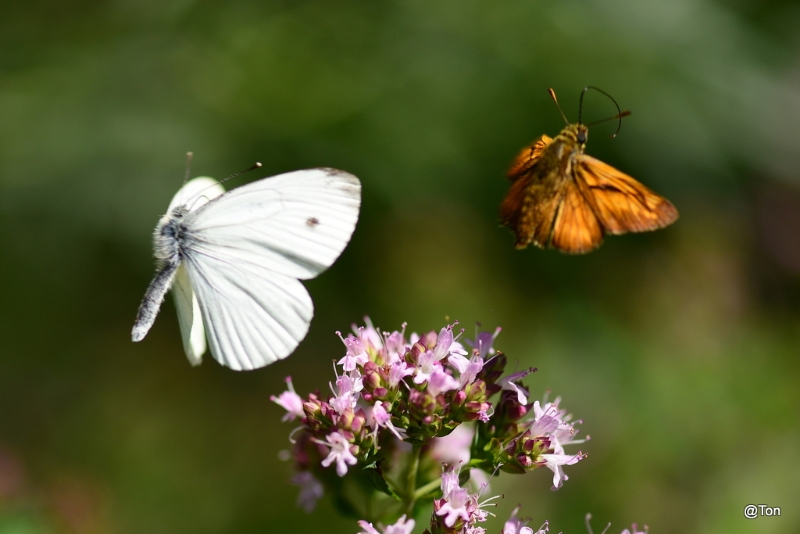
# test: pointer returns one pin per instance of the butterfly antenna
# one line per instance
(189, 156)
(256, 165)
(619, 114)
(253, 167)
(553, 96)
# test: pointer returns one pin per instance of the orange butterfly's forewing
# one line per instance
(528, 157)
(621, 203)
(523, 209)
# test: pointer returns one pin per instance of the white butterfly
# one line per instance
(234, 259)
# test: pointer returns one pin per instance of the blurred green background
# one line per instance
(678, 348)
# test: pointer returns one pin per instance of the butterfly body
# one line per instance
(562, 198)
(170, 237)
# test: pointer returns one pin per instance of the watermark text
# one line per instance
(751, 511)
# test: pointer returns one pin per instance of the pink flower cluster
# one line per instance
(396, 397)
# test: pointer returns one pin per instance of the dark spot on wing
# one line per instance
(330, 171)
(312, 222)
(606, 187)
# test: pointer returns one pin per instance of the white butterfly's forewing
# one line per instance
(189, 317)
(253, 315)
(296, 223)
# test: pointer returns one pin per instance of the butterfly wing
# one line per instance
(295, 224)
(576, 229)
(530, 206)
(189, 317)
(551, 211)
(246, 250)
(621, 203)
(196, 193)
(193, 195)
(253, 315)
(528, 157)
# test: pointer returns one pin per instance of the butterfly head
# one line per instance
(582, 134)
(577, 134)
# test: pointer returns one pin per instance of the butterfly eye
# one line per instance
(581, 137)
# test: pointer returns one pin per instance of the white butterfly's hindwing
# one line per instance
(253, 316)
(189, 317)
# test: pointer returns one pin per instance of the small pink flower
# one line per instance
(398, 371)
(446, 344)
(401, 526)
(289, 401)
(394, 343)
(469, 369)
(635, 530)
(507, 383)
(339, 453)
(369, 334)
(310, 490)
(367, 528)
(356, 354)
(381, 418)
(441, 382)
(449, 482)
(515, 525)
(482, 346)
(455, 506)
(554, 463)
(427, 363)
(348, 387)
(545, 420)
(550, 421)
(457, 503)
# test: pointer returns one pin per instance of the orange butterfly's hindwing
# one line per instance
(576, 229)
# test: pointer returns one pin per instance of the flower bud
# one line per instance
(358, 422)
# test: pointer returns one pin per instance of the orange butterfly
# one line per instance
(565, 199)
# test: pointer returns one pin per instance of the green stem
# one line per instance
(411, 481)
(427, 488)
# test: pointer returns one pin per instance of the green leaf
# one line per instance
(375, 475)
